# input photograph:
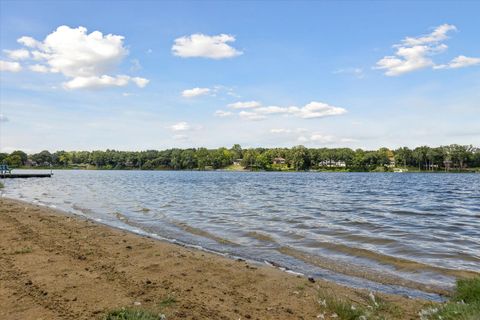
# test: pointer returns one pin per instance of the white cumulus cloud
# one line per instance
(10, 66)
(195, 92)
(311, 110)
(87, 59)
(249, 115)
(205, 46)
(39, 68)
(140, 82)
(180, 126)
(415, 53)
(20, 54)
(459, 62)
(245, 105)
(96, 82)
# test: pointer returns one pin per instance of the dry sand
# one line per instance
(58, 266)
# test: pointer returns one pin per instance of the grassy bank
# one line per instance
(464, 305)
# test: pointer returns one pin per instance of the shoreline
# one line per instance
(349, 275)
(472, 171)
(49, 261)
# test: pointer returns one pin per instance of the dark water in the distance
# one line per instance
(404, 232)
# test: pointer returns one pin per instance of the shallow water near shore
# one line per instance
(409, 233)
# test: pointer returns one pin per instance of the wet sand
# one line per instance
(58, 266)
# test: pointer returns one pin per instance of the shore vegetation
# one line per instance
(451, 158)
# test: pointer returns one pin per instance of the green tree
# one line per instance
(300, 158)
(23, 156)
(14, 161)
(43, 157)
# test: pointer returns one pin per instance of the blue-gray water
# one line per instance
(313, 223)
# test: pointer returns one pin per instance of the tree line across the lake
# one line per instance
(299, 158)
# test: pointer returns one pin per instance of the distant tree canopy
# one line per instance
(298, 158)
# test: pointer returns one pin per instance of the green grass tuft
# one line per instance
(344, 310)
(23, 250)
(133, 314)
(167, 302)
(465, 304)
(468, 290)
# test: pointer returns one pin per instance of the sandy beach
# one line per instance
(58, 266)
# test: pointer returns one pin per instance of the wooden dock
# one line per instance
(25, 175)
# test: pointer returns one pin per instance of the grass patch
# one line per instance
(133, 314)
(468, 290)
(464, 305)
(142, 314)
(344, 310)
(374, 308)
(23, 250)
(167, 302)
(1, 185)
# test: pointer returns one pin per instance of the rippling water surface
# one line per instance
(404, 233)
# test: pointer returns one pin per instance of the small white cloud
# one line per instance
(312, 110)
(180, 126)
(39, 68)
(140, 82)
(459, 62)
(86, 59)
(195, 92)
(10, 66)
(288, 131)
(414, 53)
(3, 118)
(96, 82)
(20, 54)
(29, 42)
(247, 115)
(280, 130)
(244, 105)
(437, 35)
(222, 114)
(103, 82)
(201, 45)
(316, 110)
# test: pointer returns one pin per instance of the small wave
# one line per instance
(260, 236)
(82, 210)
(143, 210)
(397, 262)
(203, 233)
(355, 270)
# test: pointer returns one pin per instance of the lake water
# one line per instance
(401, 233)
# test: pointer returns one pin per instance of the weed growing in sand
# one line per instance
(168, 301)
(464, 305)
(133, 314)
(376, 309)
(23, 250)
(1, 185)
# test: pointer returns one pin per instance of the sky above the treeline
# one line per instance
(136, 75)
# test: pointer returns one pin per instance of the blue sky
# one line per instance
(191, 74)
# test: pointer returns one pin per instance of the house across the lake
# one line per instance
(332, 163)
(279, 160)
